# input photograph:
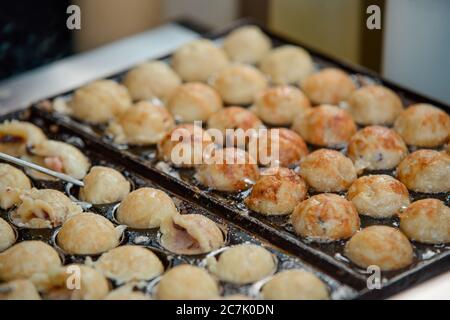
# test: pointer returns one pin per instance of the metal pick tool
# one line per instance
(36, 167)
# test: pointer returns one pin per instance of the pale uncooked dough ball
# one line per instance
(146, 208)
(104, 185)
(325, 217)
(325, 125)
(189, 151)
(382, 246)
(198, 60)
(328, 171)
(44, 208)
(423, 125)
(247, 44)
(12, 183)
(328, 86)
(374, 104)
(7, 235)
(88, 233)
(277, 192)
(129, 263)
(61, 157)
(239, 83)
(26, 258)
(279, 105)
(228, 170)
(100, 101)
(194, 102)
(376, 148)
(426, 171)
(16, 136)
(287, 64)
(154, 79)
(378, 196)
(244, 263)
(53, 283)
(186, 282)
(426, 221)
(19, 290)
(144, 123)
(191, 234)
(295, 285)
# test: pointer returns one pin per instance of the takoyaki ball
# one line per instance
(186, 282)
(328, 171)
(233, 118)
(44, 208)
(154, 79)
(126, 292)
(448, 148)
(325, 125)
(247, 44)
(12, 183)
(374, 104)
(426, 171)
(16, 136)
(325, 217)
(88, 233)
(426, 221)
(276, 192)
(26, 258)
(194, 101)
(239, 83)
(382, 246)
(242, 264)
(7, 235)
(144, 123)
(228, 170)
(328, 86)
(295, 285)
(191, 234)
(280, 146)
(19, 290)
(146, 208)
(129, 263)
(423, 125)
(60, 283)
(287, 64)
(61, 157)
(184, 145)
(104, 185)
(378, 196)
(279, 105)
(198, 60)
(100, 101)
(376, 148)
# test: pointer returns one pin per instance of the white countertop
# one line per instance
(69, 73)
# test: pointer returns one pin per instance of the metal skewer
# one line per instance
(36, 167)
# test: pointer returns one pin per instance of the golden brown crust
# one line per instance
(378, 196)
(277, 192)
(239, 83)
(194, 101)
(19, 290)
(382, 246)
(426, 221)
(327, 171)
(325, 217)
(425, 171)
(7, 235)
(12, 183)
(374, 105)
(16, 136)
(376, 148)
(325, 125)
(328, 86)
(434, 125)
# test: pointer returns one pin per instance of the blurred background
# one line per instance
(412, 47)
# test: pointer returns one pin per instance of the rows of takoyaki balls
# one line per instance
(34, 270)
